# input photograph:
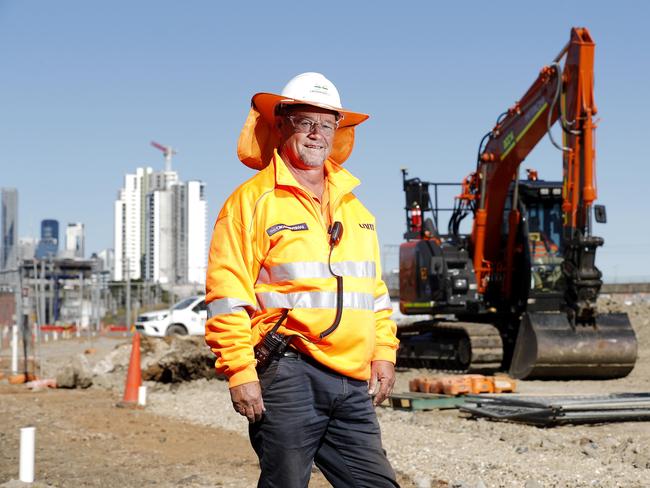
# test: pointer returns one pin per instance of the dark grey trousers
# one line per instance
(316, 415)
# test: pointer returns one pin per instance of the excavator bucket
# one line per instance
(548, 347)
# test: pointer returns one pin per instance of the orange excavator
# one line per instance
(519, 291)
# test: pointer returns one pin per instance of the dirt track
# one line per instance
(84, 440)
(189, 436)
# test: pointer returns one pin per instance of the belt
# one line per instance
(291, 353)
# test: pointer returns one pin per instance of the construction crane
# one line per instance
(168, 152)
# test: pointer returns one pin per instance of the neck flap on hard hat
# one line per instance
(258, 139)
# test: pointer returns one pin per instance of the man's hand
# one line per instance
(382, 380)
(247, 400)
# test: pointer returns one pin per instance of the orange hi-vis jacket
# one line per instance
(269, 252)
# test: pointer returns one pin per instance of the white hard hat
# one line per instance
(314, 88)
(310, 89)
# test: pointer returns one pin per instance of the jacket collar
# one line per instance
(340, 180)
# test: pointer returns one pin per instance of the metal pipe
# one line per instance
(14, 346)
(39, 317)
(128, 293)
(515, 192)
(27, 442)
(483, 186)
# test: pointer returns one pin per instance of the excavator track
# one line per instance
(465, 347)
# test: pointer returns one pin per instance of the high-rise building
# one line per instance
(129, 225)
(176, 238)
(9, 229)
(48, 246)
(197, 215)
(74, 239)
(160, 266)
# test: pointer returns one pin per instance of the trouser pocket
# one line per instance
(268, 375)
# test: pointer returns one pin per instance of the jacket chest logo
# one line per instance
(274, 229)
(367, 226)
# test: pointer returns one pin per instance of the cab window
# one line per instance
(200, 307)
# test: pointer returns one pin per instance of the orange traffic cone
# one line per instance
(134, 375)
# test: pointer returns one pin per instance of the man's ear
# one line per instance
(279, 125)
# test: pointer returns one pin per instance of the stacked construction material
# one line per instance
(561, 409)
(465, 384)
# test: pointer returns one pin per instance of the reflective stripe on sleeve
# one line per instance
(315, 299)
(311, 270)
(383, 303)
(223, 306)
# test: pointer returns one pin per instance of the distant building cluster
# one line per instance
(15, 249)
(160, 228)
(160, 231)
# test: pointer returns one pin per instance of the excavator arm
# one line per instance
(579, 342)
(558, 93)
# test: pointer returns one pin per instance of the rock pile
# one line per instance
(165, 360)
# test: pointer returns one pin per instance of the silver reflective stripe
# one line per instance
(315, 299)
(383, 303)
(356, 269)
(223, 306)
(314, 269)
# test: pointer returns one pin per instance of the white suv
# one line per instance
(186, 317)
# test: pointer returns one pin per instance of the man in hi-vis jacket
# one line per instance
(298, 315)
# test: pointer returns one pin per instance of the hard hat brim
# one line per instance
(265, 103)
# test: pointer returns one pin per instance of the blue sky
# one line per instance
(85, 86)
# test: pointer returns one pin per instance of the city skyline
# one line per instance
(160, 232)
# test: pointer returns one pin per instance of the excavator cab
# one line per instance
(541, 203)
(556, 340)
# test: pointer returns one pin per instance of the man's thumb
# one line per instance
(372, 386)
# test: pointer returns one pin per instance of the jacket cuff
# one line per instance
(247, 375)
(385, 353)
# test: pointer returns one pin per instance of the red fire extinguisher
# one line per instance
(416, 218)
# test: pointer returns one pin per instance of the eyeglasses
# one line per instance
(307, 126)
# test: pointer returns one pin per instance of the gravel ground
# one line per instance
(443, 448)
(428, 449)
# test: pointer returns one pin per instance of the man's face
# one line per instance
(307, 134)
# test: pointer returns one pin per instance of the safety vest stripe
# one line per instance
(311, 270)
(383, 303)
(315, 299)
(223, 306)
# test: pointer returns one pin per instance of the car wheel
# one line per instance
(176, 329)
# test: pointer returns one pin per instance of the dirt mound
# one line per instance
(175, 359)
(164, 360)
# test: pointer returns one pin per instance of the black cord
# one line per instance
(339, 298)
(277, 325)
(501, 117)
(480, 148)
